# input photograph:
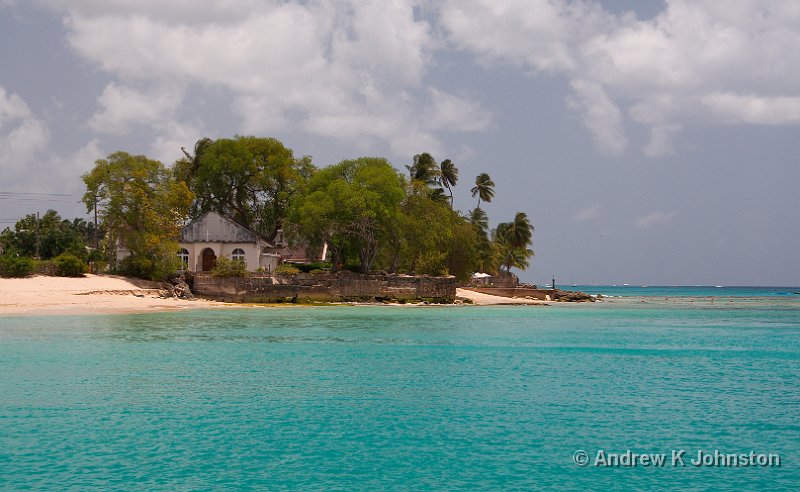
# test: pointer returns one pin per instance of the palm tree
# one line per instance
(483, 189)
(519, 233)
(514, 238)
(479, 220)
(448, 176)
(424, 169)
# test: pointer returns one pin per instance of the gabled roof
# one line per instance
(212, 227)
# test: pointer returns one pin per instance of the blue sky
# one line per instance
(649, 142)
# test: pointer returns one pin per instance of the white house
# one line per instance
(211, 235)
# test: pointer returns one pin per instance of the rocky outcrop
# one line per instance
(178, 287)
(572, 296)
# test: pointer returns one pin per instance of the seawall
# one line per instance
(339, 287)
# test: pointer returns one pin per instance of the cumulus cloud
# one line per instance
(356, 70)
(124, 107)
(657, 217)
(22, 136)
(353, 71)
(695, 63)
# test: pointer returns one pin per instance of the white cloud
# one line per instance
(353, 71)
(602, 117)
(12, 107)
(22, 137)
(123, 107)
(657, 217)
(737, 108)
(695, 63)
(449, 112)
(590, 213)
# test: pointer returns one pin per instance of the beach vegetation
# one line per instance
(227, 267)
(287, 269)
(69, 265)
(352, 206)
(48, 236)
(370, 216)
(141, 205)
(15, 266)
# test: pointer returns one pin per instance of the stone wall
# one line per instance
(343, 286)
(504, 281)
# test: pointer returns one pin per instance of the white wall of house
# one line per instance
(253, 256)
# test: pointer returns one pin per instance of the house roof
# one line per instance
(212, 227)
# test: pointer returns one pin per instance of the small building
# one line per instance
(211, 235)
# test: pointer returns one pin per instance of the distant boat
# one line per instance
(718, 286)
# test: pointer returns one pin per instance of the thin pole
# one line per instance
(37, 235)
(95, 221)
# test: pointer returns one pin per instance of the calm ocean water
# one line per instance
(402, 398)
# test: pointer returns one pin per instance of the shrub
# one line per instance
(227, 267)
(147, 267)
(286, 269)
(317, 265)
(69, 265)
(15, 266)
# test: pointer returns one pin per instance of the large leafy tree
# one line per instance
(353, 205)
(141, 206)
(249, 179)
(483, 189)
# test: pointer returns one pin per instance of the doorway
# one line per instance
(209, 259)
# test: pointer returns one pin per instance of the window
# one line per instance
(183, 256)
(238, 255)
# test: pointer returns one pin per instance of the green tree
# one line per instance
(141, 206)
(448, 176)
(513, 239)
(483, 189)
(49, 235)
(485, 250)
(351, 206)
(249, 179)
(424, 169)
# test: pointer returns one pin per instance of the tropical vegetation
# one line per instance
(371, 216)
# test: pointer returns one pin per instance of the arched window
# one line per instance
(183, 256)
(238, 255)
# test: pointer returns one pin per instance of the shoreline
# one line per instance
(42, 295)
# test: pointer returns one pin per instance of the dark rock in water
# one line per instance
(572, 296)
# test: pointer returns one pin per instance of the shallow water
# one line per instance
(399, 398)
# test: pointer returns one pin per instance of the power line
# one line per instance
(35, 194)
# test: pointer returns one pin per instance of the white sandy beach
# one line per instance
(90, 294)
(481, 299)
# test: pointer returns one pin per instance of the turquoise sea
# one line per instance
(404, 398)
